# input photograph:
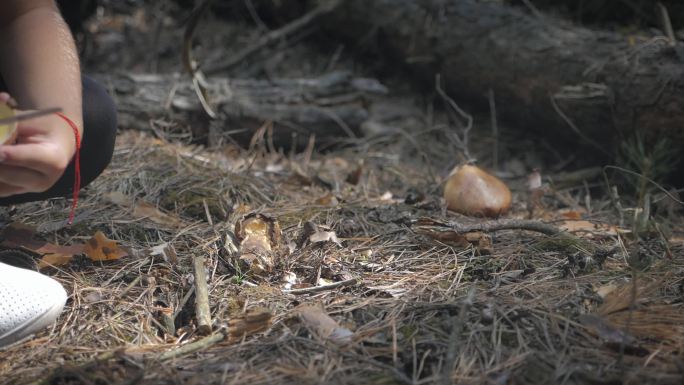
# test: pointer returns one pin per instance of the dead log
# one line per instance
(595, 87)
(330, 107)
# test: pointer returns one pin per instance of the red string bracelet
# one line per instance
(77, 166)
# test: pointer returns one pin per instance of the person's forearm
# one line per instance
(39, 63)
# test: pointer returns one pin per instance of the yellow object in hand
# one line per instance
(8, 131)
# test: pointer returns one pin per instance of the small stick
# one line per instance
(255, 15)
(183, 302)
(30, 115)
(317, 289)
(457, 324)
(496, 225)
(199, 83)
(130, 286)
(667, 23)
(535, 11)
(168, 322)
(461, 142)
(202, 312)
(572, 125)
(495, 131)
(192, 347)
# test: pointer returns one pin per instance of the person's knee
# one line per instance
(99, 133)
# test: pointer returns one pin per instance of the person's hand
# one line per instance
(43, 150)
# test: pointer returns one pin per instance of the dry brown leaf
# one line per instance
(354, 177)
(59, 259)
(254, 321)
(630, 312)
(21, 236)
(143, 210)
(386, 196)
(324, 236)
(118, 198)
(586, 226)
(659, 325)
(59, 255)
(328, 200)
(633, 314)
(101, 248)
(450, 238)
(598, 326)
(481, 241)
(626, 295)
(299, 177)
(604, 290)
(241, 209)
(168, 252)
(678, 239)
(571, 214)
(322, 325)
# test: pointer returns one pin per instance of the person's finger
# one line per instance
(4, 97)
(41, 157)
(28, 179)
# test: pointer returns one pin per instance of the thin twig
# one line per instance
(255, 15)
(462, 142)
(458, 322)
(183, 302)
(661, 188)
(318, 289)
(198, 80)
(535, 11)
(572, 125)
(276, 35)
(667, 23)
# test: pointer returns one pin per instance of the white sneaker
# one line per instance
(29, 302)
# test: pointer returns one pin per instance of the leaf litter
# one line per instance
(348, 290)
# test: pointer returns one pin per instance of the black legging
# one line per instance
(99, 134)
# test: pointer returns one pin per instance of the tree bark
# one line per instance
(330, 107)
(604, 87)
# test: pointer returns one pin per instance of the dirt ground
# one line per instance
(367, 284)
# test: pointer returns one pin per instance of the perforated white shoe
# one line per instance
(29, 302)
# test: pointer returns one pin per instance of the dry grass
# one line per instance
(408, 315)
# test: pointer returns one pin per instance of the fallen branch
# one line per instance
(329, 106)
(605, 84)
(489, 226)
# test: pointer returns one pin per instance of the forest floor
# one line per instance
(364, 282)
